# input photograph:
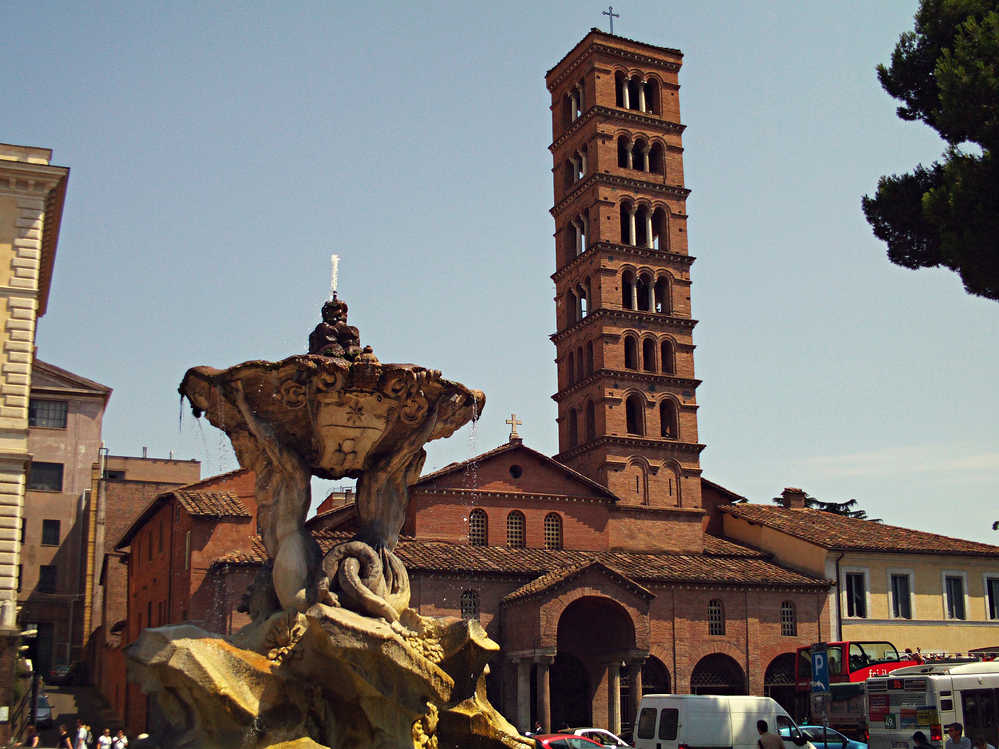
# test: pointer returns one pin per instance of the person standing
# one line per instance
(955, 737)
(65, 740)
(981, 743)
(919, 741)
(120, 740)
(767, 740)
(104, 740)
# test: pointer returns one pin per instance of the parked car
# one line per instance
(834, 739)
(604, 738)
(563, 741)
(43, 711)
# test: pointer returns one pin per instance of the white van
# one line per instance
(701, 721)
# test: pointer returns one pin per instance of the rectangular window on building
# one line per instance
(901, 597)
(50, 532)
(47, 578)
(992, 591)
(20, 576)
(24, 528)
(51, 414)
(45, 477)
(856, 595)
(954, 593)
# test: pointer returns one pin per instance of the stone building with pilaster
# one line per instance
(32, 192)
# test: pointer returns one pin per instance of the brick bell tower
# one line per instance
(627, 414)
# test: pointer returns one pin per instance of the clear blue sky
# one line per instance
(221, 152)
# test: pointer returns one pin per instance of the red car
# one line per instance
(564, 741)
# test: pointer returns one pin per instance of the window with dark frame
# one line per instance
(856, 595)
(46, 413)
(901, 599)
(553, 531)
(992, 591)
(788, 620)
(50, 532)
(45, 477)
(47, 578)
(716, 617)
(478, 527)
(954, 591)
(515, 532)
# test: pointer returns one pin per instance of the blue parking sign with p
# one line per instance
(820, 671)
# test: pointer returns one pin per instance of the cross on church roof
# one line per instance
(610, 12)
(514, 422)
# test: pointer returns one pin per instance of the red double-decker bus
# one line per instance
(850, 663)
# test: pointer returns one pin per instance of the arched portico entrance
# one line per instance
(655, 680)
(778, 681)
(595, 638)
(717, 674)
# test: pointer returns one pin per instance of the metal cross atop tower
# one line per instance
(514, 422)
(610, 12)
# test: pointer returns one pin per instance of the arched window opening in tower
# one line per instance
(634, 414)
(656, 159)
(478, 528)
(627, 223)
(716, 617)
(516, 537)
(639, 151)
(570, 173)
(660, 227)
(662, 296)
(652, 97)
(589, 358)
(788, 620)
(571, 368)
(630, 353)
(629, 296)
(567, 107)
(620, 90)
(623, 152)
(573, 427)
(667, 419)
(643, 292)
(591, 421)
(649, 355)
(469, 604)
(636, 94)
(571, 308)
(584, 301)
(666, 357)
(579, 363)
(643, 227)
(580, 231)
(553, 531)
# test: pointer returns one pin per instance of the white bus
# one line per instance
(929, 697)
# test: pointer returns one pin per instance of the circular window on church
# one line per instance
(516, 471)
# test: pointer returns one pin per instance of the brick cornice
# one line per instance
(623, 250)
(694, 448)
(632, 116)
(455, 491)
(666, 321)
(656, 378)
(639, 187)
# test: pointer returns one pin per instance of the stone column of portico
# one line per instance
(645, 159)
(632, 234)
(624, 98)
(544, 692)
(648, 229)
(641, 96)
(614, 696)
(630, 158)
(634, 293)
(524, 694)
(635, 674)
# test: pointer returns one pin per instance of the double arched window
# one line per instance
(637, 93)
(640, 292)
(572, 104)
(649, 351)
(575, 167)
(643, 226)
(640, 155)
(478, 528)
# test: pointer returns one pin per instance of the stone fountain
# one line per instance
(334, 656)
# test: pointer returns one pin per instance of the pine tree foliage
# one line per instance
(848, 508)
(946, 74)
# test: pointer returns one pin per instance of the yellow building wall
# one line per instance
(790, 551)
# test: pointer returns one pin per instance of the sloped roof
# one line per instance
(555, 578)
(842, 533)
(46, 376)
(441, 557)
(598, 490)
(198, 500)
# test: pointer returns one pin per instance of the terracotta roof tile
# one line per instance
(841, 533)
(642, 568)
(554, 578)
(716, 546)
(209, 504)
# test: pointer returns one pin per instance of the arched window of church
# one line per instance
(660, 230)
(571, 365)
(571, 308)
(643, 292)
(516, 536)
(478, 528)
(666, 357)
(716, 617)
(662, 296)
(788, 619)
(638, 151)
(652, 97)
(628, 223)
(634, 84)
(628, 297)
(649, 355)
(620, 89)
(623, 152)
(634, 414)
(579, 363)
(667, 419)
(591, 421)
(553, 531)
(573, 428)
(630, 353)
(656, 159)
(589, 357)
(469, 604)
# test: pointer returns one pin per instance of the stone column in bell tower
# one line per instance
(627, 411)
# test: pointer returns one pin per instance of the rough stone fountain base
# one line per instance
(326, 678)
